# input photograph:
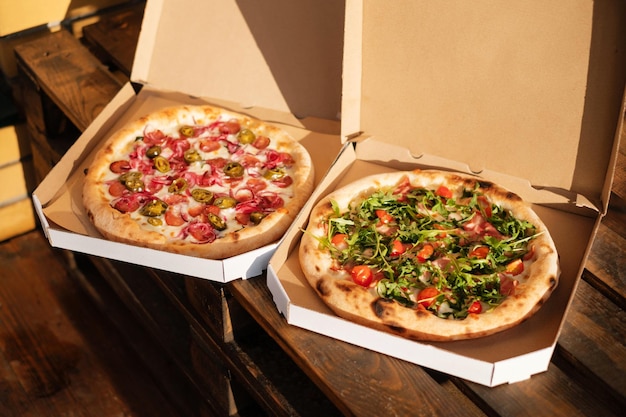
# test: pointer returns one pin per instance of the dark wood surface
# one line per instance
(237, 354)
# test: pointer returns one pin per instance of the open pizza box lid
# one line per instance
(276, 61)
(526, 94)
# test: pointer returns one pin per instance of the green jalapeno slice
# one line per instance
(186, 131)
(192, 155)
(246, 136)
(155, 221)
(178, 186)
(256, 217)
(216, 221)
(202, 196)
(234, 169)
(225, 202)
(154, 208)
(132, 181)
(274, 174)
(161, 164)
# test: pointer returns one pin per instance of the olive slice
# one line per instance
(153, 151)
(225, 202)
(154, 208)
(216, 221)
(234, 169)
(202, 196)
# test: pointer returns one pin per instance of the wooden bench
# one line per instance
(240, 354)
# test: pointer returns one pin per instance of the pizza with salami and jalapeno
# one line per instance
(199, 181)
(429, 255)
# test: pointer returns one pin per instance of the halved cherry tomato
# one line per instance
(425, 253)
(443, 191)
(384, 217)
(515, 267)
(362, 275)
(476, 307)
(426, 297)
(397, 248)
(479, 252)
(261, 142)
(339, 241)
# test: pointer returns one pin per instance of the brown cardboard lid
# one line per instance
(279, 55)
(531, 89)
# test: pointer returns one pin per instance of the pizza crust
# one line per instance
(363, 305)
(117, 226)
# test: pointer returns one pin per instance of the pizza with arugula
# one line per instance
(429, 255)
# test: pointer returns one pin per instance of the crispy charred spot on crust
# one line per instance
(321, 288)
(317, 268)
(553, 281)
(512, 197)
(343, 286)
(485, 185)
(235, 236)
(397, 329)
(379, 306)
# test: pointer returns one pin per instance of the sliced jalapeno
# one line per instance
(246, 136)
(216, 221)
(154, 208)
(153, 151)
(132, 181)
(202, 196)
(186, 131)
(178, 186)
(274, 174)
(161, 164)
(155, 221)
(256, 217)
(233, 169)
(225, 202)
(192, 155)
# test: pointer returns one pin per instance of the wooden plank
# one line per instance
(381, 383)
(57, 352)
(113, 39)
(67, 72)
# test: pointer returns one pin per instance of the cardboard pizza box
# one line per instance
(278, 62)
(526, 94)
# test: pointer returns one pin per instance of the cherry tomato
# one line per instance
(397, 248)
(384, 217)
(476, 307)
(339, 241)
(479, 252)
(444, 192)
(515, 268)
(362, 275)
(426, 297)
(425, 253)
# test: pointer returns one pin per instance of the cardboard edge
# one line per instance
(522, 367)
(146, 42)
(61, 172)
